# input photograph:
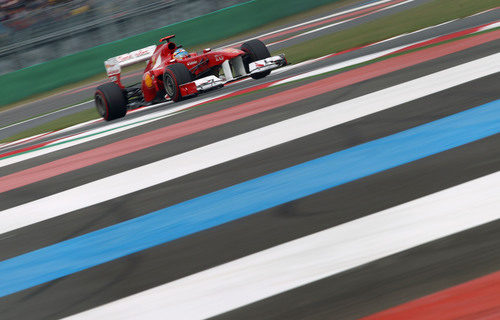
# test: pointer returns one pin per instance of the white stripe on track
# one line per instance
(229, 149)
(314, 257)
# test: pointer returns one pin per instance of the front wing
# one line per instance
(211, 82)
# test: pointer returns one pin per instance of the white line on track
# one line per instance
(312, 21)
(314, 257)
(23, 140)
(397, 4)
(335, 24)
(484, 28)
(232, 148)
(46, 115)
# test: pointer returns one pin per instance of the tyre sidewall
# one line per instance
(169, 75)
(179, 74)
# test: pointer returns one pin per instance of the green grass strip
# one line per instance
(58, 124)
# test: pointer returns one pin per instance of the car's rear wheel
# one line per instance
(110, 101)
(255, 50)
(174, 76)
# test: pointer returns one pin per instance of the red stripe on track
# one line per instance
(344, 51)
(476, 299)
(441, 39)
(37, 146)
(17, 143)
(10, 153)
(218, 118)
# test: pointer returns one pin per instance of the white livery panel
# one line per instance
(113, 65)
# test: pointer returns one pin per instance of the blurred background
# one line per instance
(34, 31)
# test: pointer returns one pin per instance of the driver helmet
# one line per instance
(180, 54)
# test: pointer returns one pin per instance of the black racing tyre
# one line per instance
(255, 50)
(175, 75)
(110, 101)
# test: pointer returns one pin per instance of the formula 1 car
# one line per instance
(174, 74)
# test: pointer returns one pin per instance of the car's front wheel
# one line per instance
(255, 50)
(174, 76)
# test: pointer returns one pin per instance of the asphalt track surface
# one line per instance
(78, 95)
(361, 291)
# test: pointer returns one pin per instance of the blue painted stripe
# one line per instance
(247, 198)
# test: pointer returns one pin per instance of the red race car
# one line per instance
(174, 74)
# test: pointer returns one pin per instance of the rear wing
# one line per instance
(114, 65)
